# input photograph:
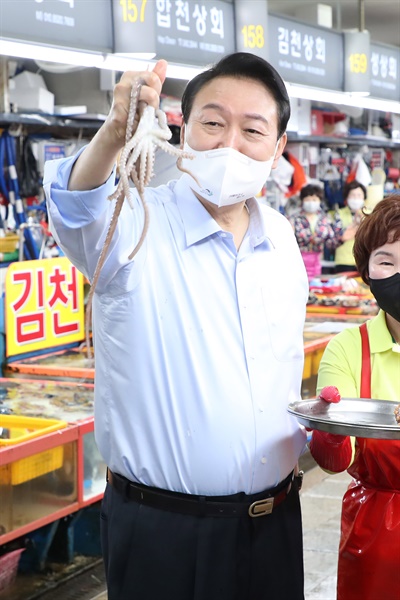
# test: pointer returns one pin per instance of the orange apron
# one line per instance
(369, 553)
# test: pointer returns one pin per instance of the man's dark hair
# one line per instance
(353, 185)
(380, 227)
(311, 190)
(246, 66)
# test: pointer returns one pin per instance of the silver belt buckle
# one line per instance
(261, 507)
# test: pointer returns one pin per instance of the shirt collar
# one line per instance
(380, 339)
(258, 229)
(199, 224)
(197, 221)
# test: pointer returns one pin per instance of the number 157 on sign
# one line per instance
(132, 10)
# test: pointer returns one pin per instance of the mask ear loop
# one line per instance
(276, 148)
(181, 167)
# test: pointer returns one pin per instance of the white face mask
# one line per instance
(311, 206)
(225, 176)
(355, 203)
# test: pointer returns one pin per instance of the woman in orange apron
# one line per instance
(365, 363)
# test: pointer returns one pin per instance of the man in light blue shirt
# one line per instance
(198, 346)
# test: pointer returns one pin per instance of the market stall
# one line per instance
(49, 463)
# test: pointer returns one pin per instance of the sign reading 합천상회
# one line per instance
(188, 32)
(306, 54)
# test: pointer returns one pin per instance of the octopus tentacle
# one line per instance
(136, 162)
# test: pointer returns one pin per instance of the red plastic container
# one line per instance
(9, 567)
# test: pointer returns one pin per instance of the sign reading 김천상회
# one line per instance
(306, 54)
(182, 31)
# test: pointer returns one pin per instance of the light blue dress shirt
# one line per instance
(198, 346)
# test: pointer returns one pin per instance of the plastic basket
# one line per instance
(31, 467)
(9, 567)
(9, 243)
(22, 429)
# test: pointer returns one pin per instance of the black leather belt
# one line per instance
(255, 505)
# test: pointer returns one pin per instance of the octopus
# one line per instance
(397, 414)
(136, 162)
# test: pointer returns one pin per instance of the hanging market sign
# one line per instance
(187, 32)
(356, 62)
(305, 54)
(70, 23)
(385, 72)
(252, 27)
(44, 305)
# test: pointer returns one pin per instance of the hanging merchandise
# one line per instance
(10, 189)
(299, 178)
(331, 178)
(283, 173)
(359, 171)
(29, 174)
(333, 189)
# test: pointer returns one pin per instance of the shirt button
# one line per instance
(223, 234)
(263, 460)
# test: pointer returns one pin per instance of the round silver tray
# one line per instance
(362, 417)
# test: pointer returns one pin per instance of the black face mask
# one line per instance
(387, 294)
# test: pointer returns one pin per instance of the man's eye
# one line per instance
(212, 123)
(254, 132)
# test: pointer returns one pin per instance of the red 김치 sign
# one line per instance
(44, 305)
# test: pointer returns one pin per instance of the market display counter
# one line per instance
(68, 365)
(48, 477)
(342, 294)
(319, 329)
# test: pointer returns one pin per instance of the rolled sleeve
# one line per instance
(78, 220)
(73, 209)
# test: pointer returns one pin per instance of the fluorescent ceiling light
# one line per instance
(183, 72)
(140, 61)
(345, 99)
(114, 62)
(118, 62)
(50, 54)
(140, 55)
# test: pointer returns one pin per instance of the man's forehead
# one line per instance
(208, 95)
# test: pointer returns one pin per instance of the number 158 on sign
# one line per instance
(253, 36)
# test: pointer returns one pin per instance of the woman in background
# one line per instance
(364, 362)
(346, 223)
(312, 228)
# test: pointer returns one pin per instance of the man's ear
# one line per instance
(281, 146)
(182, 135)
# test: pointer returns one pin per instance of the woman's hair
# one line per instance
(380, 227)
(311, 190)
(353, 185)
(243, 65)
